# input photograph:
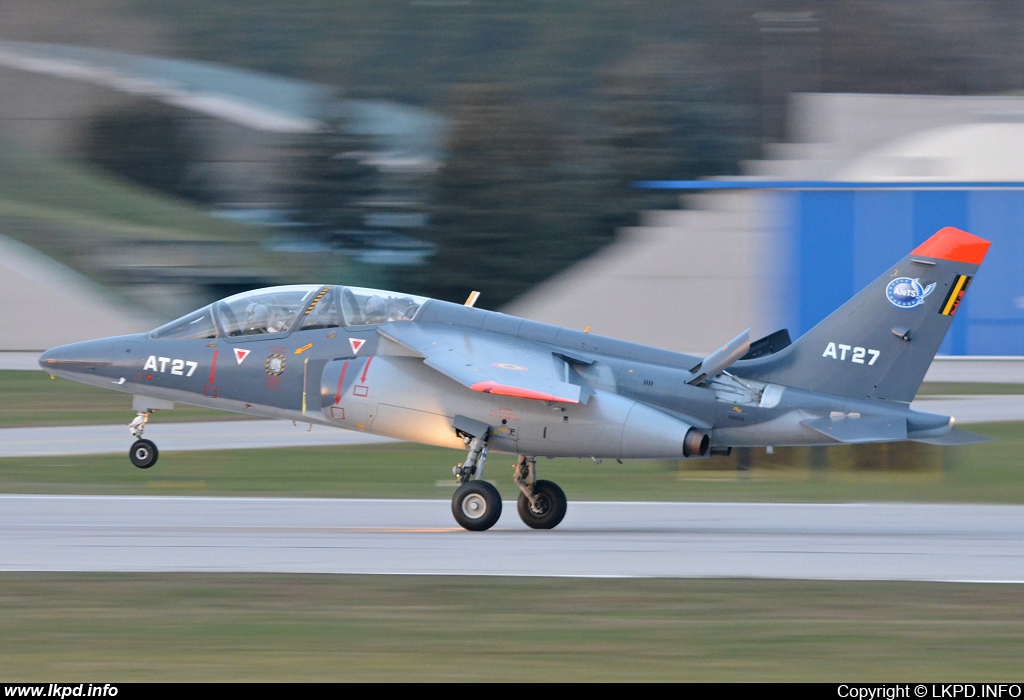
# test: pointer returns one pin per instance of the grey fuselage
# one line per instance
(638, 400)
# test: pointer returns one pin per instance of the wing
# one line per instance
(490, 363)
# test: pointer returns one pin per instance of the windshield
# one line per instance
(264, 311)
(198, 324)
(279, 310)
(324, 311)
(361, 306)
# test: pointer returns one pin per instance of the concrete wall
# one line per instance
(46, 304)
(841, 240)
(849, 125)
(686, 280)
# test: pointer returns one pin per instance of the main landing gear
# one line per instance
(542, 503)
(476, 504)
(143, 453)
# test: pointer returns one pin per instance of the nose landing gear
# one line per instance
(143, 453)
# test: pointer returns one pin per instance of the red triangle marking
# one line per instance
(356, 343)
(241, 354)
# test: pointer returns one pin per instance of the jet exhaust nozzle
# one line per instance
(647, 433)
(696, 444)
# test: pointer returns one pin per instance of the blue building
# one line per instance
(839, 240)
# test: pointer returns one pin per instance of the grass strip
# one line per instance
(32, 399)
(226, 627)
(969, 389)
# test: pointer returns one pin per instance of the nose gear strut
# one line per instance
(138, 425)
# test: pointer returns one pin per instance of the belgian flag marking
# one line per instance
(956, 294)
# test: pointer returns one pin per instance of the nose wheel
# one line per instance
(143, 453)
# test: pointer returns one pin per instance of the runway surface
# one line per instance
(235, 435)
(175, 437)
(787, 541)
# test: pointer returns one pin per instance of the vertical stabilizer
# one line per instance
(881, 342)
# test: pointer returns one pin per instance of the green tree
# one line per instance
(333, 183)
(507, 207)
(152, 145)
(667, 114)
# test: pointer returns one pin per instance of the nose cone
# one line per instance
(90, 354)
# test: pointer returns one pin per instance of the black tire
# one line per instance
(551, 505)
(476, 505)
(143, 454)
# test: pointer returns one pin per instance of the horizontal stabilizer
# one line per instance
(855, 430)
(722, 358)
(955, 437)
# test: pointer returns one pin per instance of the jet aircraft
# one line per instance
(447, 374)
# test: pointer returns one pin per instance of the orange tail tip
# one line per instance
(953, 244)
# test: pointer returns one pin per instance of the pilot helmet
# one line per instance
(256, 314)
(375, 310)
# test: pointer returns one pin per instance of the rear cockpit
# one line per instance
(277, 311)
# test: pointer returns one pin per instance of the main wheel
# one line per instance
(476, 505)
(143, 454)
(550, 508)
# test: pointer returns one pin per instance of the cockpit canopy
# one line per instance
(281, 310)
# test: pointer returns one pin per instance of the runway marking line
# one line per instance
(351, 530)
(346, 529)
(413, 529)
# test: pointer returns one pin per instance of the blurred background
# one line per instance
(156, 155)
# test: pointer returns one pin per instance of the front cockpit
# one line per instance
(277, 311)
